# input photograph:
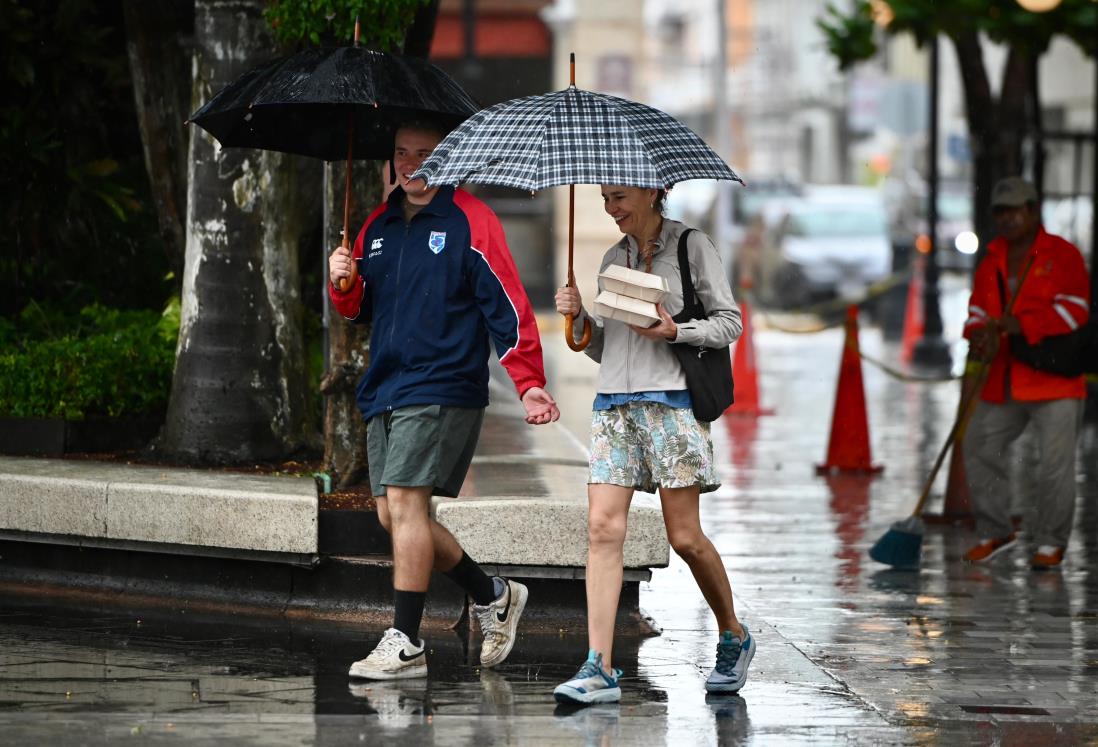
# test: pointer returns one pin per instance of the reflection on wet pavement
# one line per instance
(848, 651)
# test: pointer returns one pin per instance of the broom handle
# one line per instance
(968, 406)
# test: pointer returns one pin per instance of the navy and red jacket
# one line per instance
(438, 290)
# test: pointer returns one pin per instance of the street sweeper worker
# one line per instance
(1054, 299)
(439, 285)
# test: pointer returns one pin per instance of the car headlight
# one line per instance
(966, 242)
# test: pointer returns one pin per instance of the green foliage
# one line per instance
(383, 22)
(74, 195)
(101, 361)
(851, 35)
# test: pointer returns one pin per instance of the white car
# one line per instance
(832, 242)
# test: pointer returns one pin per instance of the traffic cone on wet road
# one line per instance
(914, 316)
(745, 374)
(957, 503)
(848, 450)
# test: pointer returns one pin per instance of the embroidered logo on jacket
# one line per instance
(437, 242)
(375, 247)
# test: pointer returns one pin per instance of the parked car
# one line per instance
(833, 241)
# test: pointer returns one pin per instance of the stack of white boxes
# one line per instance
(630, 296)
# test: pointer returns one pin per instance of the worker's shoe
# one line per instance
(1047, 557)
(989, 548)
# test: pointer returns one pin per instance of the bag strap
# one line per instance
(689, 296)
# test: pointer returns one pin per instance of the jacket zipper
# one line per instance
(396, 301)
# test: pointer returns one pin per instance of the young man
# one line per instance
(436, 279)
(1053, 299)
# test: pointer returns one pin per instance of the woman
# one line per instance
(644, 436)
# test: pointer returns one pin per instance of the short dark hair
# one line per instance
(425, 124)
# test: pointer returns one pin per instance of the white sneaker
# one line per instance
(498, 623)
(591, 684)
(395, 658)
(396, 703)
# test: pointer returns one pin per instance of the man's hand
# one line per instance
(665, 330)
(1010, 325)
(339, 265)
(983, 343)
(540, 406)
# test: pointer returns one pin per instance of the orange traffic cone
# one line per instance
(848, 450)
(914, 316)
(745, 374)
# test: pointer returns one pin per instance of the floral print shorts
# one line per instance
(647, 445)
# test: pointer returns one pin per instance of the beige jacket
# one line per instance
(631, 363)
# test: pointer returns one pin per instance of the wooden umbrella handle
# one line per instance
(345, 284)
(586, 339)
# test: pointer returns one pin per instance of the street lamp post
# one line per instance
(931, 350)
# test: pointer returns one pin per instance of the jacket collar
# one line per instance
(669, 237)
(998, 246)
(440, 205)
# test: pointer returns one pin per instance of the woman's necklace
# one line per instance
(646, 250)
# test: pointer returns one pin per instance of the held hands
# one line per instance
(665, 330)
(339, 265)
(984, 342)
(568, 301)
(540, 406)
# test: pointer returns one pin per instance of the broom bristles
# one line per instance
(901, 546)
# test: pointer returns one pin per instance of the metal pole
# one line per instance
(932, 349)
(1094, 203)
(721, 134)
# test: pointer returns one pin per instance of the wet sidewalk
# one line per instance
(849, 652)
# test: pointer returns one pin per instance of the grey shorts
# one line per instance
(422, 445)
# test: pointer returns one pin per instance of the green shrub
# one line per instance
(101, 362)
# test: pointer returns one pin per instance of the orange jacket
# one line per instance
(1055, 299)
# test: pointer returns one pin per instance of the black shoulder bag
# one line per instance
(708, 370)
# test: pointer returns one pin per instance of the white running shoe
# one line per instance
(733, 658)
(591, 684)
(395, 658)
(499, 622)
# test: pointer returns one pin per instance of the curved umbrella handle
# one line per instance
(585, 341)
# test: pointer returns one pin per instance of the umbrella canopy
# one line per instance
(573, 137)
(303, 104)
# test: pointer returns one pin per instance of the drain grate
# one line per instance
(1006, 709)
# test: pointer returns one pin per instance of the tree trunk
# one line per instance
(348, 344)
(996, 126)
(158, 39)
(239, 389)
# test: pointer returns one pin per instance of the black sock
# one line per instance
(469, 576)
(408, 612)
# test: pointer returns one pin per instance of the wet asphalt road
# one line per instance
(848, 652)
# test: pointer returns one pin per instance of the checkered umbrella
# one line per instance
(572, 137)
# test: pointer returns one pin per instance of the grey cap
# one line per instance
(1013, 191)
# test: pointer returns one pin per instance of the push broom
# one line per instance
(902, 545)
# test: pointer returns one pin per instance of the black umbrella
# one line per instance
(332, 104)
